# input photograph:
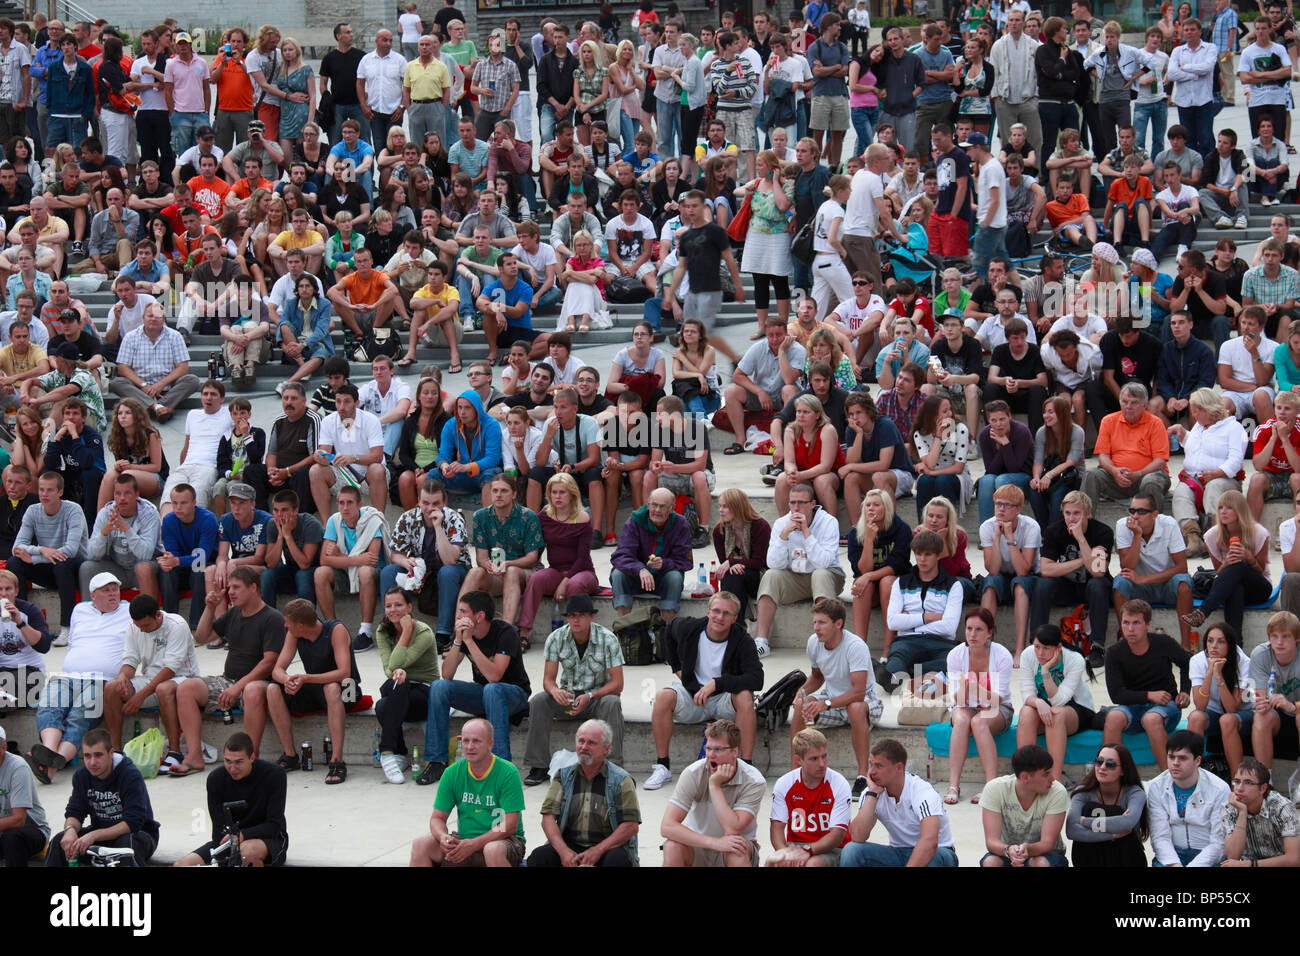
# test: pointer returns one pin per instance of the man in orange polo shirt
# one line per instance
(1133, 451)
(234, 91)
(365, 297)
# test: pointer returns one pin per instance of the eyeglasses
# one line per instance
(799, 504)
(1246, 783)
(1005, 504)
(1140, 511)
(861, 282)
(718, 750)
(1106, 762)
(478, 371)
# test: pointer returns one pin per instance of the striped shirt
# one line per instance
(735, 75)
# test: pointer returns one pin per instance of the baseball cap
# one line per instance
(975, 139)
(579, 604)
(256, 126)
(182, 37)
(1143, 257)
(1106, 252)
(103, 579)
(2, 734)
(205, 132)
(239, 489)
(67, 350)
(69, 315)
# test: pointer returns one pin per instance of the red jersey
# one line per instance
(1277, 462)
(809, 815)
(921, 303)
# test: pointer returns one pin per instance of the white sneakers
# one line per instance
(659, 776)
(762, 646)
(62, 639)
(1181, 250)
(392, 764)
(1223, 222)
(1241, 222)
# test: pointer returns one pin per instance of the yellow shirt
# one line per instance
(426, 83)
(13, 364)
(448, 294)
(287, 240)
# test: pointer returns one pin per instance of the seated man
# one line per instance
(159, 669)
(1186, 364)
(653, 556)
(507, 540)
(803, 561)
(351, 450)
(630, 239)
(960, 372)
(1185, 807)
(1132, 448)
(329, 681)
(24, 829)
(291, 443)
(1128, 204)
(576, 837)
(1246, 369)
(24, 642)
(499, 689)
(434, 534)
(109, 790)
(1275, 453)
(1272, 287)
(21, 359)
(1074, 568)
(352, 556)
(364, 298)
(1074, 365)
(487, 797)
(575, 439)
(189, 536)
(1224, 196)
(469, 449)
(125, 538)
(299, 236)
(436, 304)
(506, 304)
(49, 393)
(76, 453)
(732, 676)
(764, 379)
(1270, 833)
(204, 429)
(211, 292)
(876, 457)
(583, 677)
(900, 405)
(712, 818)
(924, 612)
(1152, 560)
(1274, 669)
(1140, 682)
(50, 546)
(241, 538)
(149, 271)
(1017, 374)
(153, 366)
(112, 231)
(1203, 293)
(840, 689)
(18, 497)
(262, 787)
(910, 811)
(253, 633)
(1024, 813)
(811, 806)
(682, 462)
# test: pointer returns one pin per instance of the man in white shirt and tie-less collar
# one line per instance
(380, 75)
(1191, 70)
(1015, 82)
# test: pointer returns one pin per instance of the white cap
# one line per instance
(102, 579)
(2, 734)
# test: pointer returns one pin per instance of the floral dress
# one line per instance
(767, 247)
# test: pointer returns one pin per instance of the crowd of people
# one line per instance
(393, 196)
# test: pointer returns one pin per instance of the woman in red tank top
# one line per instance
(812, 455)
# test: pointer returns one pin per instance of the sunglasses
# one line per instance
(1106, 762)
(1140, 511)
(861, 282)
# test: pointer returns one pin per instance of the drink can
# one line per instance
(327, 748)
(227, 718)
(306, 755)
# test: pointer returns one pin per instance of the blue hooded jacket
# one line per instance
(482, 449)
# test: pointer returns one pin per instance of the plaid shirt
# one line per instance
(1255, 285)
(1265, 831)
(520, 533)
(887, 404)
(585, 673)
(153, 361)
(89, 390)
(588, 821)
(502, 74)
(1224, 22)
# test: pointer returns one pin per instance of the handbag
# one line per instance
(738, 229)
(801, 246)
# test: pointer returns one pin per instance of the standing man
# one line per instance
(1015, 81)
(991, 212)
(934, 104)
(555, 83)
(733, 80)
(521, 114)
(1191, 70)
(47, 53)
(1224, 36)
(380, 76)
(829, 60)
(949, 226)
(234, 92)
(15, 83)
(187, 93)
(152, 122)
(495, 82)
(338, 77)
(426, 91)
(904, 76)
(668, 91)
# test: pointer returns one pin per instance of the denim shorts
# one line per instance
(72, 706)
(1053, 859)
(1135, 712)
(1003, 585)
(1164, 594)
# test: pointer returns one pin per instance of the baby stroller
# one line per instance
(913, 260)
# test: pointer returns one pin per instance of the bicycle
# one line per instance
(230, 854)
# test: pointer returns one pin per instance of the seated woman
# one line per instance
(740, 539)
(1107, 820)
(566, 529)
(274, 221)
(393, 199)
(409, 655)
(1007, 448)
(695, 370)
(390, 157)
(417, 447)
(1221, 709)
(979, 685)
(640, 367)
(908, 261)
(304, 329)
(941, 445)
(1238, 547)
(1214, 451)
(341, 247)
(824, 346)
(134, 442)
(941, 517)
(1058, 460)
(880, 549)
(343, 192)
(246, 337)
(583, 278)
(1056, 701)
(812, 456)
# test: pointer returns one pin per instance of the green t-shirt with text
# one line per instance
(480, 803)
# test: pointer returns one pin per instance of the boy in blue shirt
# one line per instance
(642, 159)
(506, 304)
(242, 537)
(189, 536)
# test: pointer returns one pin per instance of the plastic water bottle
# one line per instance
(374, 753)
(702, 582)
(1272, 682)
(415, 763)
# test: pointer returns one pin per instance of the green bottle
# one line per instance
(415, 763)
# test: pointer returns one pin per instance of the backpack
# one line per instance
(1075, 629)
(773, 705)
(378, 341)
(626, 289)
(640, 634)
(684, 505)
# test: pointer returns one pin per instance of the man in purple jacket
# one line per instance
(653, 556)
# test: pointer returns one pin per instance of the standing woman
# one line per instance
(740, 539)
(942, 442)
(566, 529)
(880, 552)
(1058, 459)
(1168, 30)
(1238, 547)
(695, 369)
(830, 276)
(409, 656)
(1107, 821)
(417, 447)
(1056, 698)
(295, 115)
(1220, 707)
(695, 95)
(812, 455)
(627, 85)
(590, 90)
(864, 95)
(974, 82)
(411, 27)
(137, 446)
(979, 681)
(767, 245)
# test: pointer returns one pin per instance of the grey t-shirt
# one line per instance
(307, 531)
(270, 169)
(18, 789)
(1187, 162)
(249, 637)
(1287, 676)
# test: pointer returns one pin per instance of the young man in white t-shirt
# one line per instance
(1265, 70)
(388, 399)
(351, 444)
(811, 806)
(910, 811)
(841, 688)
(861, 316)
(991, 211)
(204, 429)
(1151, 545)
(540, 259)
(630, 238)
(1181, 206)
(1246, 368)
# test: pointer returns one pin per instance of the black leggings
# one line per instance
(781, 285)
(744, 585)
(1235, 586)
(397, 704)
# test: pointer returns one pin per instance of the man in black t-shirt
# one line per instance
(1017, 374)
(211, 291)
(1203, 295)
(984, 297)
(701, 250)
(626, 446)
(537, 399)
(949, 227)
(338, 73)
(590, 401)
(961, 374)
(89, 348)
(1074, 569)
(1127, 355)
(261, 787)
(14, 197)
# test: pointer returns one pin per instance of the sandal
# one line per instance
(570, 329)
(289, 762)
(220, 644)
(453, 368)
(503, 361)
(952, 796)
(524, 644)
(584, 327)
(170, 760)
(406, 361)
(338, 773)
(976, 798)
(38, 771)
(735, 448)
(1195, 618)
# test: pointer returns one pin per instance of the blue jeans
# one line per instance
(668, 586)
(874, 854)
(1164, 594)
(72, 706)
(864, 119)
(546, 121)
(171, 583)
(1045, 505)
(1157, 114)
(669, 116)
(494, 701)
(1004, 584)
(985, 487)
(1267, 188)
(550, 298)
(1199, 121)
(450, 577)
(290, 579)
(933, 486)
(987, 244)
(1185, 856)
(626, 129)
(700, 406)
(353, 111)
(465, 287)
(184, 130)
(1053, 859)
(802, 276)
(65, 130)
(392, 434)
